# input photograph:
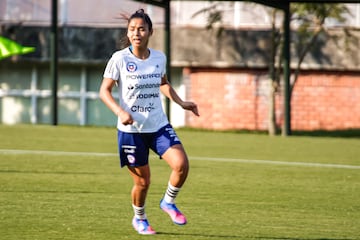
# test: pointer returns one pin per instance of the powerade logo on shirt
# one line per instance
(131, 67)
(143, 76)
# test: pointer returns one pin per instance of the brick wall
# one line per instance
(326, 101)
(238, 99)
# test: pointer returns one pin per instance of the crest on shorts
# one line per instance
(131, 159)
(131, 67)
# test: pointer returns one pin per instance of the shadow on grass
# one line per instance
(347, 133)
(215, 236)
(287, 238)
(219, 236)
(351, 133)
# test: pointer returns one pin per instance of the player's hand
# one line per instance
(125, 118)
(191, 107)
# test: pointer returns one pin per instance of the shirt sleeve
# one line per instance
(112, 70)
(164, 66)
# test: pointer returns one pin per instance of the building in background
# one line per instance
(228, 79)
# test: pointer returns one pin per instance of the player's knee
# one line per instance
(143, 183)
(182, 167)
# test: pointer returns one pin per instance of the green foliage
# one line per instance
(214, 15)
(317, 13)
(73, 194)
(308, 20)
(214, 18)
(307, 23)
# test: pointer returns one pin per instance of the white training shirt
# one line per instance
(139, 89)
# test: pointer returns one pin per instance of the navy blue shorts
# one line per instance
(134, 147)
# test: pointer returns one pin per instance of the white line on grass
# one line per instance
(237, 160)
(304, 164)
(55, 153)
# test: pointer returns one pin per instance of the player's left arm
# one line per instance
(169, 92)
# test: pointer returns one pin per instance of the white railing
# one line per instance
(35, 94)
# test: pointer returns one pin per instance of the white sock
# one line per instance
(139, 212)
(171, 193)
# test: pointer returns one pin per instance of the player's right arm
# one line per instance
(106, 96)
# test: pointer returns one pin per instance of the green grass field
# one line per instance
(65, 183)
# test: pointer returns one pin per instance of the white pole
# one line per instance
(63, 12)
(33, 90)
(237, 10)
(83, 106)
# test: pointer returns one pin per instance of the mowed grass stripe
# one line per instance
(70, 192)
(238, 160)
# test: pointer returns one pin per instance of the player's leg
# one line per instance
(167, 144)
(176, 157)
(141, 179)
(134, 154)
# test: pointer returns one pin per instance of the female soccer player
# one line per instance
(139, 73)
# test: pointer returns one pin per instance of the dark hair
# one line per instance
(124, 42)
(141, 14)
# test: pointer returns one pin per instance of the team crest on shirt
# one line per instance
(131, 67)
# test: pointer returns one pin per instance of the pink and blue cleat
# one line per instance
(142, 226)
(176, 216)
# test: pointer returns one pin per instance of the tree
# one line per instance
(311, 18)
(307, 21)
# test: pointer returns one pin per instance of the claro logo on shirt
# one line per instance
(143, 109)
(131, 67)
